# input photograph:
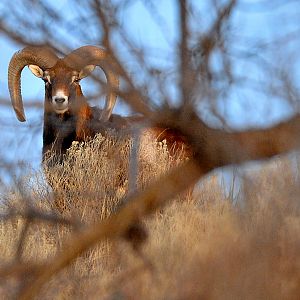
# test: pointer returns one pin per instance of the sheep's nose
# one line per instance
(60, 100)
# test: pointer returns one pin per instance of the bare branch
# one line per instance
(213, 148)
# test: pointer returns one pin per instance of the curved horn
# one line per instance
(91, 55)
(40, 56)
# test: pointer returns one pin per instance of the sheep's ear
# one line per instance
(86, 71)
(36, 70)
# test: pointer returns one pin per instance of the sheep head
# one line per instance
(61, 77)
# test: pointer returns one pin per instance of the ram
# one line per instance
(67, 115)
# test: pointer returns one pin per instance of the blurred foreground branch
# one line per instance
(197, 80)
(213, 148)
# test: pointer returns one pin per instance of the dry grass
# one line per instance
(202, 248)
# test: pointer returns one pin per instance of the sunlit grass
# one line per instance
(207, 247)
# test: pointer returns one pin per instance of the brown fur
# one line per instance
(84, 115)
(177, 144)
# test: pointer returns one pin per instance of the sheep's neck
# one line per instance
(83, 130)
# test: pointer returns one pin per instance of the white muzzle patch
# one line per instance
(60, 102)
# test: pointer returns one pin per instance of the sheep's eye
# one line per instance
(75, 79)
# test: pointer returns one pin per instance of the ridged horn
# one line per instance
(92, 55)
(41, 56)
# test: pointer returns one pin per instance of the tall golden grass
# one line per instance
(204, 247)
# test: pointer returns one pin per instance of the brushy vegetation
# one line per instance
(204, 247)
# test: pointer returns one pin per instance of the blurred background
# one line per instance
(251, 77)
(236, 64)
